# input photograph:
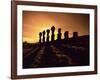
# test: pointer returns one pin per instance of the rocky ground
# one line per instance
(57, 54)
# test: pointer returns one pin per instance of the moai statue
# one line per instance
(43, 36)
(75, 35)
(59, 34)
(40, 35)
(48, 31)
(52, 33)
(66, 35)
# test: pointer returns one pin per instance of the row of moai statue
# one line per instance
(59, 35)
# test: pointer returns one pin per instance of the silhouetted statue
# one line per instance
(43, 36)
(59, 34)
(66, 35)
(48, 31)
(52, 33)
(40, 35)
(75, 35)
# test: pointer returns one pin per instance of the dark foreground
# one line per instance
(72, 52)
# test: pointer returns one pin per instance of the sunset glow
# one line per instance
(35, 22)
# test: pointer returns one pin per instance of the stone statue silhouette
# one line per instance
(40, 36)
(48, 31)
(66, 35)
(75, 35)
(43, 36)
(59, 34)
(52, 33)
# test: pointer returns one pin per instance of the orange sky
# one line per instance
(35, 22)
